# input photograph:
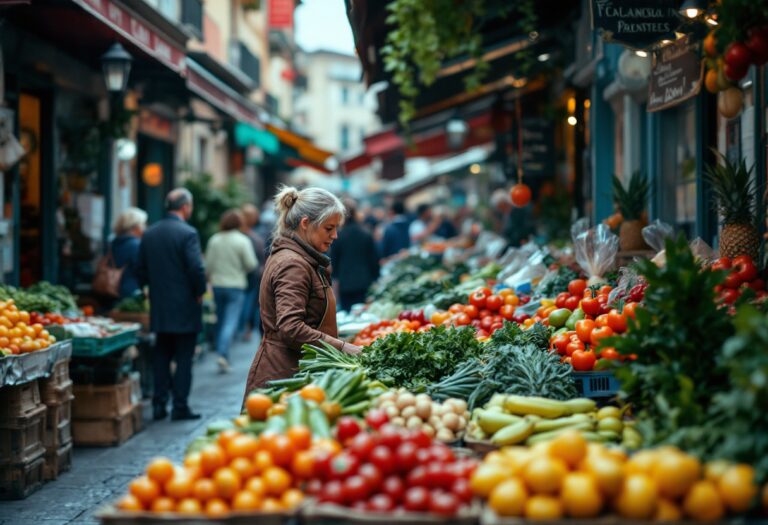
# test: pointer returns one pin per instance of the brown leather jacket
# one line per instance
(297, 307)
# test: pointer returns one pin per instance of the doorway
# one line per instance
(155, 177)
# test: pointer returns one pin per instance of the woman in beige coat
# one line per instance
(296, 298)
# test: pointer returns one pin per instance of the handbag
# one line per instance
(106, 280)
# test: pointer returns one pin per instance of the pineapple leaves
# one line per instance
(734, 190)
(632, 199)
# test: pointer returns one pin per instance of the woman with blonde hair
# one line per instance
(296, 298)
(128, 228)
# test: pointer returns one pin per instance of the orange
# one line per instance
(192, 460)
(160, 470)
(272, 505)
(246, 500)
(569, 446)
(163, 504)
(544, 475)
(204, 489)
(300, 436)
(508, 498)
(331, 445)
(487, 477)
(710, 81)
(543, 508)
(130, 502)
(710, 44)
(145, 490)
(714, 470)
(292, 498)
(242, 446)
(225, 437)
(227, 481)
(257, 406)
(282, 450)
(312, 393)
(675, 473)
(641, 463)
(638, 497)
(276, 481)
(216, 507)
(667, 511)
(243, 466)
(703, 502)
(262, 461)
(580, 495)
(303, 464)
(212, 458)
(189, 506)
(256, 486)
(737, 487)
(180, 486)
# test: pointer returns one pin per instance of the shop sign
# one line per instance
(538, 147)
(635, 23)
(156, 126)
(137, 31)
(280, 14)
(676, 75)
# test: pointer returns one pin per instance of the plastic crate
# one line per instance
(98, 346)
(596, 384)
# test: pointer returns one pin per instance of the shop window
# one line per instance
(344, 95)
(678, 195)
(344, 137)
(202, 154)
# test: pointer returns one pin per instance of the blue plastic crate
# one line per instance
(596, 384)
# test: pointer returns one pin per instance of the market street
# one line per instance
(100, 475)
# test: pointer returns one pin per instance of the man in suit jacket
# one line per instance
(171, 264)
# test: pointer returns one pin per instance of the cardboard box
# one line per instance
(102, 401)
(17, 401)
(102, 432)
(22, 438)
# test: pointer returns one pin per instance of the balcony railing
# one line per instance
(192, 16)
(242, 58)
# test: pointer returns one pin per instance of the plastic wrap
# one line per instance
(703, 251)
(596, 250)
(628, 279)
(23, 368)
(525, 267)
(657, 233)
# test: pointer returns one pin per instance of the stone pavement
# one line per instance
(100, 475)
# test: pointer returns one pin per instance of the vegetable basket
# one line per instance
(99, 346)
(596, 384)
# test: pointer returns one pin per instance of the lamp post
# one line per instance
(456, 131)
(116, 66)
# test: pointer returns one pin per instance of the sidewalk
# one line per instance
(101, 475)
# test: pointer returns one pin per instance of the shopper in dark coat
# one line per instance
(396, 236)
(354, 260)
(171, 264)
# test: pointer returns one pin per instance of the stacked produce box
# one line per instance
(105, 415)
(57, 394)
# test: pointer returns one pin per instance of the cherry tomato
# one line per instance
(477, 300)
(472, 311)
(333, 492)
(494, 302)
(757, 285)
(744, 268)
(583, 360)
(376, 418)
(496, 326)
(418, 477)
(406, 456)
(443, 503)
(507, 312)
(600, 333)
(561, 298)
(728, 296)
(456, 308)
(572, 303)
(723, 263)
(381, 503)
(391, 436)
(732, 280)
(463, 320)
(346, 428)
(372, 476)
(462, 490)
(417, 499)
(577, 287)
(560, 342)
(355, 488)
(344, 465)
(584, 329)
(394, 487)
(486, 323)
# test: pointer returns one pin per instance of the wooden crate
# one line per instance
(21, 438)
(137, 415)
(56, 394)
(102, 401)
(17, 401)
(58, 414)
(102, 432)
(58, 436)
(59, 375)
(57, 461)
(329, 514)
(19, 481)
(112, 516)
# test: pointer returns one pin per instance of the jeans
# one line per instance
(251, 315)
(179, 348)
(229, 307)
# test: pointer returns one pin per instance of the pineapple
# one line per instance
(734, 191)
(631, 202)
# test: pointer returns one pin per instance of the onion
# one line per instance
(397, 421)
(387, 396)
(428, 430)
(459, 405)
(445, 435)
(414, 423)
(423, 397)
(406, 399)
(392, 411)
(438, 410)
(451, 421)
(462, 423)
(409, 411)
(423, 408)
(435, 421)
(386, 404)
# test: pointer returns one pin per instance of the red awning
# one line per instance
(137, 31)
(383, 143)
(205, 85)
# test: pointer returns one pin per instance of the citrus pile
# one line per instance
(568, 477)
(237, 473)
(18, 335)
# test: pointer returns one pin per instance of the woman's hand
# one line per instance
(351, 349)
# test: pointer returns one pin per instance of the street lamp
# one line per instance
(456, 131)
(692, 8)
(116, 65)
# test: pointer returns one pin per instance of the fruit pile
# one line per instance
(485, 311)
(444, 421)
(18, 333)
(742, 274)
(47, 319)
(238, 472)
(407, 322)
(393, 469)
(569, 477)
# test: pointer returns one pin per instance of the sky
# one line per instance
(323, 24)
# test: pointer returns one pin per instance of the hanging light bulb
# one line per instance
(691, 9)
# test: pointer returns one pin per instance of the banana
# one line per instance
(548, 425)
(492, 422)
(580, 405)
(513, 434)
(584, 427)
(539, 406)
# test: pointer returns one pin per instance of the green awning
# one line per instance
(247, 135)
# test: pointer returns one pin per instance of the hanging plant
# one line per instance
(425, 33)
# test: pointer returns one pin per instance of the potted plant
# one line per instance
(631, 202)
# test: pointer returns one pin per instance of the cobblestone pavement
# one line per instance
(100, 475)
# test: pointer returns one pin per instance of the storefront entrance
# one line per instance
(154, 154)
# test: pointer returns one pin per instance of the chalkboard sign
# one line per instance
(538, 147)
(676, 75)
(635, 23)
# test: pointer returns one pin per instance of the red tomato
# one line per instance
(347, 427)
(444, 503)
(394, 487)
(355, 489)
(485, 290)
(376, 418)
(418, 477)
(577, 287)
(600, 333)
(728, 296)
(572, 303)
(584, 329)
(463, 320)
(561, 298)
(583, 361)
(416, 499)
(496, 326)
(494, 302)
(333, 492)
(486, 323)
(477, 300)
(462, 490)
(456, 308)
(381, 503)
(723, 263)
(601, 320)
(406, 456)
(391, 436)
(344, 465)
(572, 347)
(471, 310)
(560, 342)
(483, 312)
(372, 476)
(362, 444)
(507, 312)
(441, 453)
(605, 290)
(744, 268)
(609, 353)
(419, 438)
(629, 310)
(591, 306)
(314, 487)
(440, 475)
(757, 285)
(383, 458)
(617, 322)
(732, 280)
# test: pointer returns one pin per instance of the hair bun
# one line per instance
(287, 197)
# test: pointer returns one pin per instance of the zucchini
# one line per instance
(491, 422)
(276, 424)
(552, 434)
(356, 409)
(539, 406)
(296, 413)
(548, 425)
(513, 434)
(318, 423)
(580, 405)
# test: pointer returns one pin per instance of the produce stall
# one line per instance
(537, 384)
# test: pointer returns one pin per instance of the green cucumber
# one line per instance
(356, 409)
(318, 423)
(296, 413)
(276, 424)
